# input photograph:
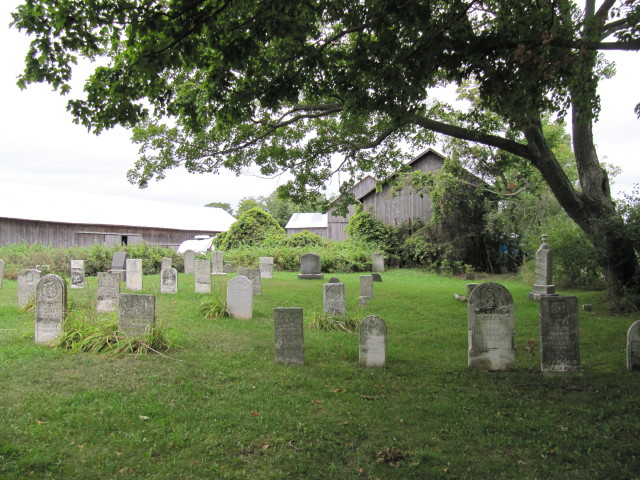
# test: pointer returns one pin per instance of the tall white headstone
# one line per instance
(134, 274)
(544, 272)
(217, 263)
(189, 261)
(202, 276)
(77, 273)
(266, 267)
(108, 291)
(240, 297)
(366, 286)
(373, 342)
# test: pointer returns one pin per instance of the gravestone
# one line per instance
(266, 267)
(227, 268)
(559, 343)
(119, 265)
(108, 291)
(217, 264)
(310, 267)
(169, 281)
(373, 342)
(27, 284)
(334, 299)
(134, 274)
(51, 306)
(166, 263)
(252, 274)
(633, 346)
(136, 313)
(77, 273)
(202, 272)
(1, 271)
(362, 301)
(240, 297)
(491, 325)
(334, 280)
(288, 330)
(544, 271)
(366, 286)
(470, 288)
(189, 262)
(377, 262)
(376, 277)
(43, 268)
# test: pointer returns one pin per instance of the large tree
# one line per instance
(286, 85)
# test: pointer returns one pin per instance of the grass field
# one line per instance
(217, 406)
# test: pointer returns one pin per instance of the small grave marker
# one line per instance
(633, 346)
(202, 271)
(51, 305)
(366, 286)
(169, 281)
(77, 273)
(310, 267)
(289, 335)
(227, 268)
(252, 274)
(377, 262)
(266, 267)
(334, 299)
(27, 284)
(119, 265)
(108, 291)
(189, 262)
(217, 263)
(373, 342)
(136, 313)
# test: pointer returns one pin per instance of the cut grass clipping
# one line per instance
(102, 336)
(331, 323)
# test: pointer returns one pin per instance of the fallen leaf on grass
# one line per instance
(255, 413)
(391, 456)
(40, 422)
(338, 390)
(265, 446)
(143, 418)
(367, 397)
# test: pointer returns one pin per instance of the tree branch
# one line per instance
(466, 134)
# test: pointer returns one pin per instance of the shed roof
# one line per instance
(307, 220)
(47, 204)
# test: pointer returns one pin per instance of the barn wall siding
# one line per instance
(72, 235)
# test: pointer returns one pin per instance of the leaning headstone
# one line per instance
(544, 272)
(169, 281)
(27, 283)
(189, 262)
(119, 264)
(252, 274)
(491, 326)
(334, 299)
(1, 271)
(373, 342)
(288, 330)
(51, 306)
(366, 286)
(240, 297)
(202, 272)
(310, 267)
(559, 343)
(108, 291)
(227, 268)
(266, 267)
(136, 313)
(134, 274)
(77, 273)
(377, 262)
(217, 264)
(376, 277)
(633, 346)
(166, 263)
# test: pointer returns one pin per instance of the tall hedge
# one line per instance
(251, 228)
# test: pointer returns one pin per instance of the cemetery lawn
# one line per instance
(217, 406)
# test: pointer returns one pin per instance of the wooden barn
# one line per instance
(62, 218)
(309, 222)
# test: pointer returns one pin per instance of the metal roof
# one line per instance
(47, 204)
(307, 220)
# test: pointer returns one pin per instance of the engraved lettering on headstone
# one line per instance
(289, 336)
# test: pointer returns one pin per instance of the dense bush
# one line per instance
(424, 250)
(365, 227)
(304, 239)
(251, 228)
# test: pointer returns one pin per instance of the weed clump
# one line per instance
(332, 323)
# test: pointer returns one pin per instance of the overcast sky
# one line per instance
(39, 144)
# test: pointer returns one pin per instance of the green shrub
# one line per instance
(423, 250)
(331, 323)
(365, 227)
(304, 239)
(213, 307)
(251, 228)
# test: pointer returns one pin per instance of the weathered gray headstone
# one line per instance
(544, 272)
(266, 267)
(108, 291)
(189, 262)
(169, 281)
(310, 267)
(559, 342)
(119, 264)
(77, 273)
(288, 329)
(51, 307)
(491, 328)
(334, 280)
(240, 297)
(373, 342)
(252, 274)
(376, 277)
(377, 262)
(43, 268)
(1, 271)
(470, 288)
(134, 274)
(334, 299)
(362, 301)
(633, 346)
(217, 263)
(27, 284)
(166, 263)
(136, 313)
(202, 272)
(227, 268)
(366, 286)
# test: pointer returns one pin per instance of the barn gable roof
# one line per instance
(47, 204)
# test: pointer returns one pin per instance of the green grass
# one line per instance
(217, 406)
